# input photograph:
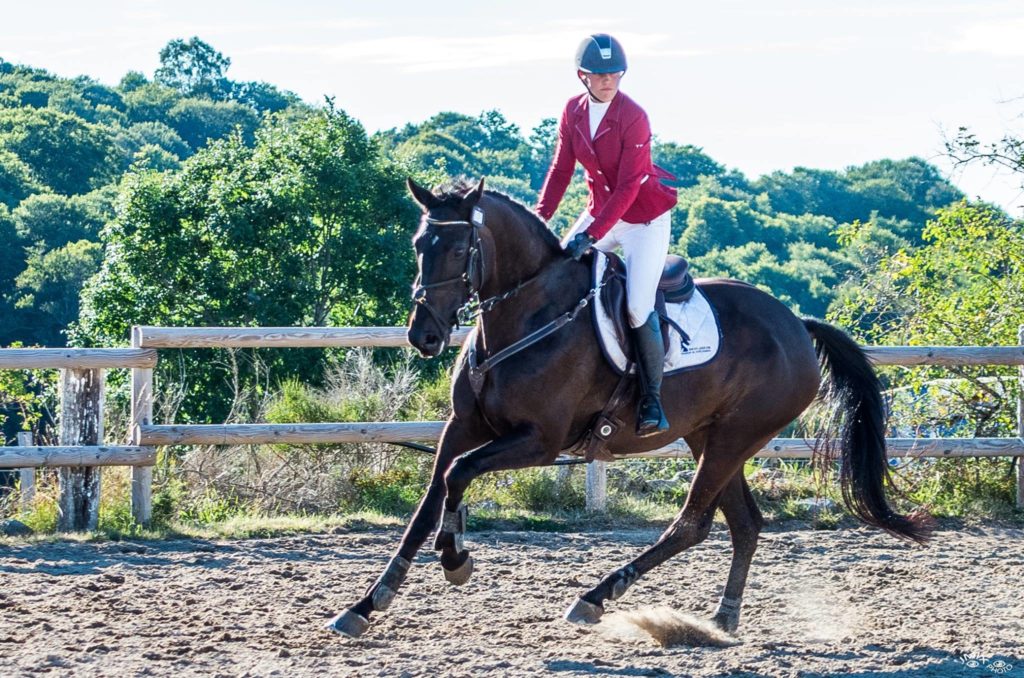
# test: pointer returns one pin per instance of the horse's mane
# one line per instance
(453, 192)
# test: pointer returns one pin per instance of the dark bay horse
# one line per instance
(524, 410)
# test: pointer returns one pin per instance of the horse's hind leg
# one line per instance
(458, 437)
(722, 459)
(745, 523)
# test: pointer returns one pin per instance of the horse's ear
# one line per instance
(423, 196)
(473, 197)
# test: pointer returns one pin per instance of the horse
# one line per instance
(537, 390)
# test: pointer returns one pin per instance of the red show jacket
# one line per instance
(623, 181)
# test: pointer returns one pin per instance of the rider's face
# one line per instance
(603, 86)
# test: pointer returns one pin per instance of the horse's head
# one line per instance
(451, 271)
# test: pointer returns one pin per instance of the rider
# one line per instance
(629, 207)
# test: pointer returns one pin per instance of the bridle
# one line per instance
(472, 277)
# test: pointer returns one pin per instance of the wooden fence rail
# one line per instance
(75, 358)
(81, 448)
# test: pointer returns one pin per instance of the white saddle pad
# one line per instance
(696, 317)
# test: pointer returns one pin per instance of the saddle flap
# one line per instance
(693, 339)
(613, 297)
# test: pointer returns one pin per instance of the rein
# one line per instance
(478, 371)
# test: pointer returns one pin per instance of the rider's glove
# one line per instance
(579, 245)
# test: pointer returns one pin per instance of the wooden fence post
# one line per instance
(597, 486)
(28, 475)
(81, 423)
(1020, 423)
(142, 414)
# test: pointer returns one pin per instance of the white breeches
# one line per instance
(644, 247)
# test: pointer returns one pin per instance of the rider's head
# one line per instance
(600, 62)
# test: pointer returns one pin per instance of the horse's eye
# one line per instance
(459, 252)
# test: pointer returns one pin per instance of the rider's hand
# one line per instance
(579, 245)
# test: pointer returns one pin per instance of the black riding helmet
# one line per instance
(600, 53)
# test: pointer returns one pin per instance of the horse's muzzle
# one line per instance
(427, 339)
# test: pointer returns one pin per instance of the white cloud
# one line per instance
(422, 53)
(1004, 38)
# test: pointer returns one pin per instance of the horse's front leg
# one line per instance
(458, 437)
(522, 448)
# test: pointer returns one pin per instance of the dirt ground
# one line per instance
(853, 601)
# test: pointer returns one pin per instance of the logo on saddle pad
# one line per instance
(696, 318)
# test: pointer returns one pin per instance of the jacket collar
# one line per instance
(609, 122)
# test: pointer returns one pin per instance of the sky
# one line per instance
(760, 86)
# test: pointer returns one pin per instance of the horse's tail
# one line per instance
(852, 389)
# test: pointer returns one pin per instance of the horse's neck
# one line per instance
(514, 253)
(552, 286)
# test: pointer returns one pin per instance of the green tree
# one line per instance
(542, 141)
(50, 221)
(308, 226)
(263, 97)
(713, 223)
(152, 157)
(198, 120)
(11, 265)
(131, 81)
(754, 264)
(131, 140)
(16, 181)
(688, 163)
(810, 191)
(49, 287)
(487, 145)
(151, 102)
(815, 272)
(66, 153)
(193, 68)
(965, 286)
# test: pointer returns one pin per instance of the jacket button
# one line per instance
(600, 172)
(607, 189)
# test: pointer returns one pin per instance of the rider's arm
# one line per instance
(560, 172)
(633, 166)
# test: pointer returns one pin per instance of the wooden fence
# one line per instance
(81, 450)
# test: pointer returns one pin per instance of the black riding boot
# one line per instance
(650, 353)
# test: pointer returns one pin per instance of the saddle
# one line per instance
(676, 286)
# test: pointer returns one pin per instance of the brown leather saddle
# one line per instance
(676, 286)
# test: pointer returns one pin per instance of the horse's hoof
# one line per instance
(727, 622)
(583, 612)
(461, 574)
(349, 623)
